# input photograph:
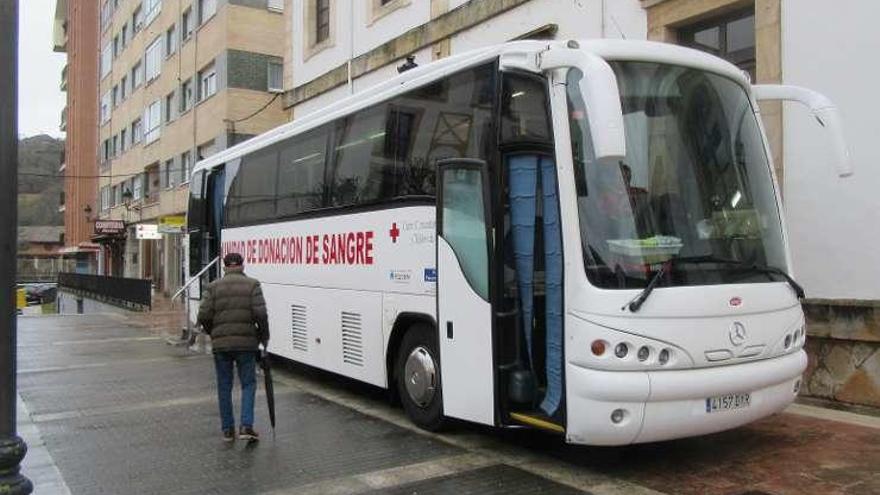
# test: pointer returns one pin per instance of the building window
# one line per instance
(168, 111)
(276, 77)
(116, 46)
(205, 150)
(123, 87)
(114, 196)
(137, 75)
(105, 150)
(277, 5)
(114, 148)
(105, 198)
(124, 35)
(207, 9)
(105, 108)
(152, 122)
(123, 135)
(731, 37)
(106, 14)
(322, 20)
(170, 41)
(186, 95)
(207, 82)
(185, 166)
(186, 24)
(137, 20)
(115, 97)
(137, 131)
(106, 60)
(153, 8)
(137, 187)
(169, 173)
(153, 59)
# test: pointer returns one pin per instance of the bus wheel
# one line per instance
(418, 377)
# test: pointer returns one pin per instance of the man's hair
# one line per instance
(233, 259)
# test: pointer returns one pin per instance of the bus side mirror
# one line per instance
(825, 111)
(601, 95)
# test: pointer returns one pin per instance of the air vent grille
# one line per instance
(298, 328)
(352, 339)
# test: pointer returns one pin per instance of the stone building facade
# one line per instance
(335, 48)
(844, 320)
(178, 81)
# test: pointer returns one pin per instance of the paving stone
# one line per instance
(491, 480)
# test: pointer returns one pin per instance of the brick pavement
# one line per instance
(121, 412)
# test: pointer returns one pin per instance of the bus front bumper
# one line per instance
(662, 405)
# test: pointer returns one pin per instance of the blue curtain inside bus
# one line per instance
(553, 285)
(523, 181)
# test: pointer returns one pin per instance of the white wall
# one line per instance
(834, 223)
(355, 34)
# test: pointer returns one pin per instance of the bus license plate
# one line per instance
(728, 402)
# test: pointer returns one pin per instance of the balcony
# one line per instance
(59, 28)
(64, 78)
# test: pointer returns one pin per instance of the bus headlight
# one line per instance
(621, 350)
(644, 353)
(663, 358)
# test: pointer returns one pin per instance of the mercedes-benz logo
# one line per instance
(738, 334)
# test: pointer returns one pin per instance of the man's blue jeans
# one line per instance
(245, 361)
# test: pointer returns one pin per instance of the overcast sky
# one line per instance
(40, 99)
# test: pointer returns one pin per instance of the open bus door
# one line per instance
(464, 309)
(204, 222)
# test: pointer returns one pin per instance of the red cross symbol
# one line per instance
(394, 232)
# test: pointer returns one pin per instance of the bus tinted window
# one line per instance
(384, 152)
(524, 112)
(451, 118)
(252, 196)
(301, 185)
(364, 166)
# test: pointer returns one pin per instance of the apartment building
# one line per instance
(336, 48)
(179, 80)
(75, 32)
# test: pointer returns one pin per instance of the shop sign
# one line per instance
(109, 227)
(172, 225)
(147, 231)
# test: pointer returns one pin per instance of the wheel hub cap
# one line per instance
(420, 375)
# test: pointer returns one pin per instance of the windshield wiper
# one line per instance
(639, 300)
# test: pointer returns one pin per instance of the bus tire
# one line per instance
(417, 373)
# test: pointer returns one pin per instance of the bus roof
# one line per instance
(428, 73)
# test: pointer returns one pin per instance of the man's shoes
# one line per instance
(229, 435)
(248, 433)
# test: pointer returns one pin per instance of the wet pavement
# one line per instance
(108, 407)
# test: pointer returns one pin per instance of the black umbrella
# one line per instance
(270, 388)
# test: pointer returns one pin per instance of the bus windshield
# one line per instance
(695, 182)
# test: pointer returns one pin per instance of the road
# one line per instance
(107, 407)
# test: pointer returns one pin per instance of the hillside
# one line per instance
(38, 197)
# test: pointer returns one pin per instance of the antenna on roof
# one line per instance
(409, 64)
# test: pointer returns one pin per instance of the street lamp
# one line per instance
(12, 447)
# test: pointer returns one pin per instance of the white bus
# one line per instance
(584, 237)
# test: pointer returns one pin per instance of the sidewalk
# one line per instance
(119, 411)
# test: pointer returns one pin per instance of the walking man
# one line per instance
(233, 313)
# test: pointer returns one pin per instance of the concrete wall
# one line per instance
(376, 40)
(67, 304)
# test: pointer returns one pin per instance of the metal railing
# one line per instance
(189, 335)
(128, 292)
